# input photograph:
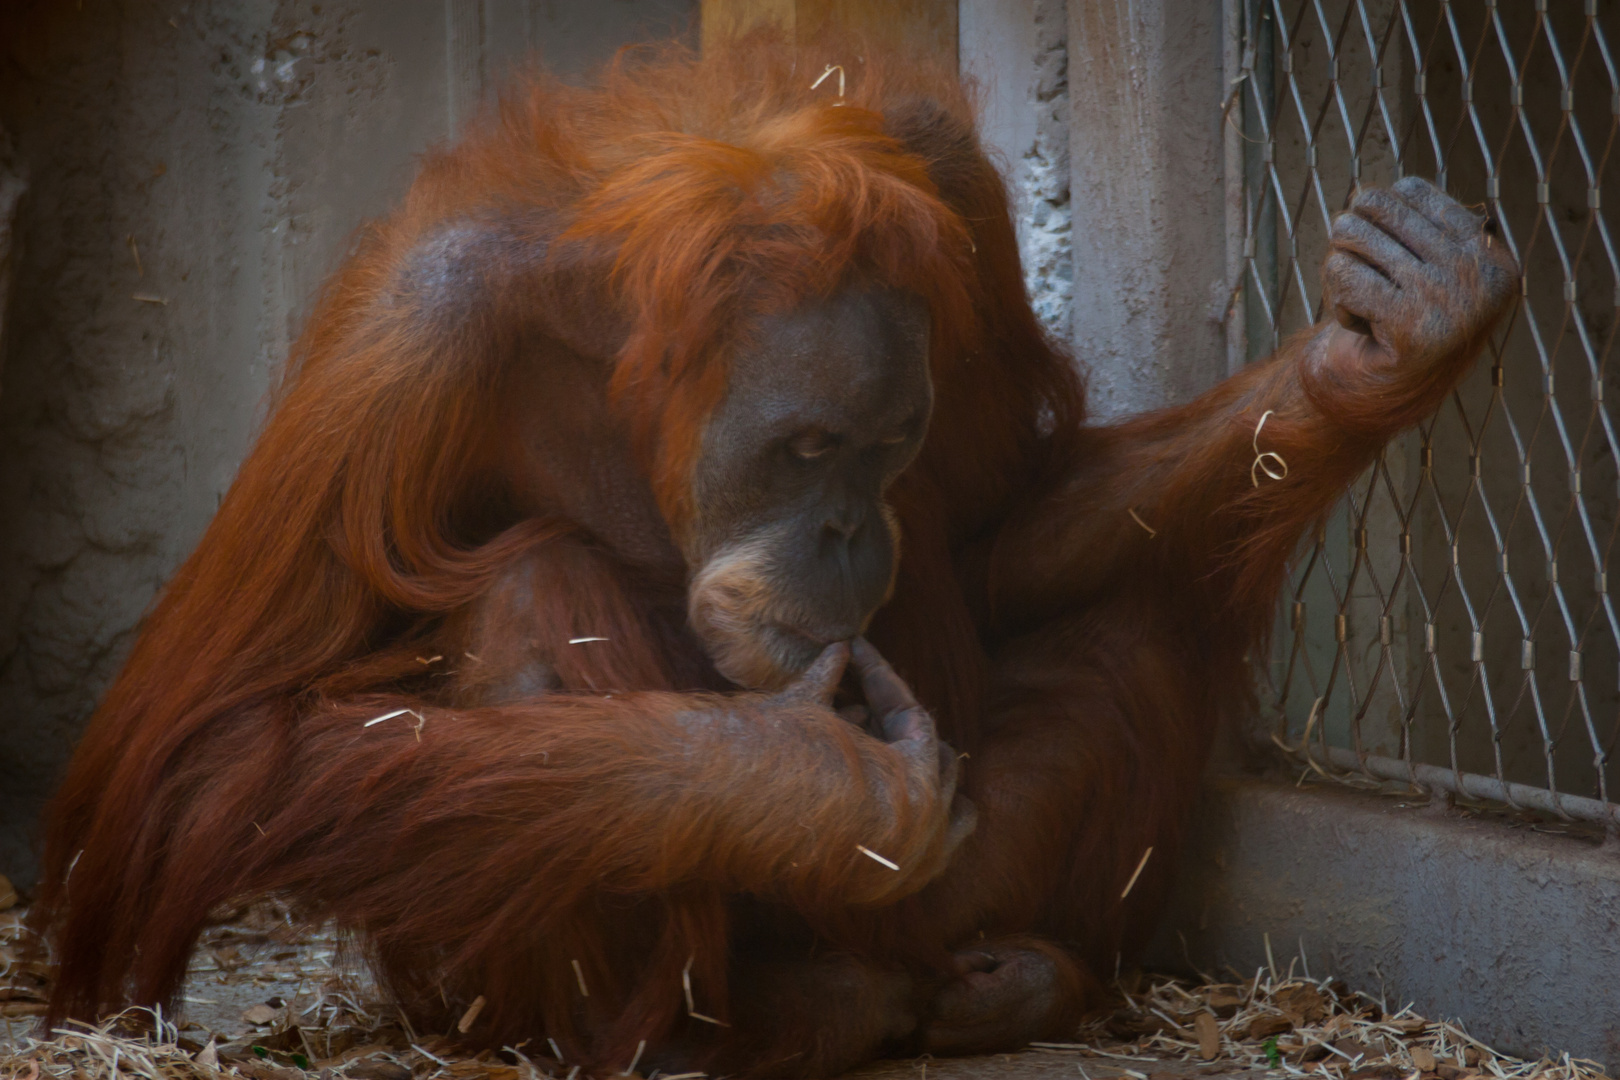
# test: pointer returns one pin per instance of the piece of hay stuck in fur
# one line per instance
(471, 1015)
(1131, 884)
(875, 857)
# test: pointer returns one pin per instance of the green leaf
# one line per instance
(262, 1052)
(1272, 1053)
(301, 1061)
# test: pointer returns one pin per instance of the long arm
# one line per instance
(1214, 494)
(633, 793)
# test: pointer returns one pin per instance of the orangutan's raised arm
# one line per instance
(1219, 490)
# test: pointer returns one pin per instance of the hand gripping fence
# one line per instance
(1453, 623)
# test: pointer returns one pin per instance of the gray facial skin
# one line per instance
(794, 547)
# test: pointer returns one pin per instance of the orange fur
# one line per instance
(482, 451)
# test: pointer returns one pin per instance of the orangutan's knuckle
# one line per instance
(1413, 186)
(1368, 196)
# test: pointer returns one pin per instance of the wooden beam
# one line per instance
(724, 19)
(926, 26)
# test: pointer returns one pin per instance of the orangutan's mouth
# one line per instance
(794, 648)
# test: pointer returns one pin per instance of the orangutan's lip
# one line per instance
(793, 635)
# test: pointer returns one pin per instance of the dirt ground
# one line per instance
(270, 1000)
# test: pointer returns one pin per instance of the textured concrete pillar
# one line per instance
(1145, 94)
(1015, 53)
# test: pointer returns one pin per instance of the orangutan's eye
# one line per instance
(810, 445)
(904, 433)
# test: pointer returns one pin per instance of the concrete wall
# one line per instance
(194, 171)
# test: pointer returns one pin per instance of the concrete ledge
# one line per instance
(1514, 932)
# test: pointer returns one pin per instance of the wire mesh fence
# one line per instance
(1453, 622)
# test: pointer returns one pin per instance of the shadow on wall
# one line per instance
(193, 178)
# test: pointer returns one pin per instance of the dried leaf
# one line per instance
(1209, 1036)
(1303, 1004)
(264, 1070)
(1263, 1026)
(1353, 1047)
(8, 895)
(259, 1015)
(471, 1015)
